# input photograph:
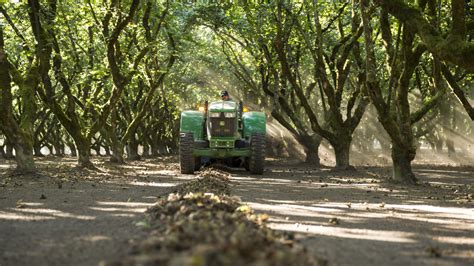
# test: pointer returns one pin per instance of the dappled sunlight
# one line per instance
(456, 226)
(244, 178)
(125, 204)
(26, 213)
(123, 209)
(442, 183)
(152, 184)
(23, 216)
(308, 214)
(437, 209)
(422, 213)
(287, 209)
(367, 234)
(287, 201)
(94, 238)
(128, 215)
(111, 209)
(336, 206)
(298, 218)
(32, 211)
(6, 166)
(455, 240)
(54, 213)
(444, 172)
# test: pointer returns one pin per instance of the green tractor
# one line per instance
(222, 131)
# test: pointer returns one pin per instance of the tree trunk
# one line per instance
(83, 151)
(341, 152)
(311, 147)
(37, 150)
(58, 148)
(132, 149)
(146, 150)
(115, 145)
(312, 157)
(402, 158)
(154, 150)
(9, 151)
(450, 146)
(96, 148)
(24, 157)
(117, 152)
(107, 150)
(439, 145)
(19, 135)
(72, 148)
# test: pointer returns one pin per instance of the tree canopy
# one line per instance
(112, 76)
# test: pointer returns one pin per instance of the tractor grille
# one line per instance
(222, 127)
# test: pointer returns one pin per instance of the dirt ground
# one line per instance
(69, 216)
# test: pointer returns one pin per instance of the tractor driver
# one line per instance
(225, 96)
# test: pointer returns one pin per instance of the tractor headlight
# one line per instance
(214, 114)
(229, 115)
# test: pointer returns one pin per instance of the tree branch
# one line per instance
(457, 91)
(451, 49)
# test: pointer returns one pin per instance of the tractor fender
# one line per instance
(192, 122)
(253, 122)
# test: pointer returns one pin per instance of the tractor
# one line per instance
(222, 131)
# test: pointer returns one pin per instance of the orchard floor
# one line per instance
(69, 216)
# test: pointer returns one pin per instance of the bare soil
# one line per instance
(70, 216)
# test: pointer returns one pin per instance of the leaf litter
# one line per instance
(200, 223)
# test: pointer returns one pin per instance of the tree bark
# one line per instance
(83, 152)
(146, 150)
(2, 151)
(397, 126)
(19, 135)
(341, 152)
(458, 91)
(311, 147)
(9, 151)
(116, 145)
(117, 153)
(402, 157)
(154, 149)
(37, 150)
(24, 157)
(132, 149)
(453, 48)
(72, 148)
(450, 146)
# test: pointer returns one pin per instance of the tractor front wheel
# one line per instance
(197, 163)
(186, 158)
(257, 154)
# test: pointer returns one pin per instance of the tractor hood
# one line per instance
(223, 106)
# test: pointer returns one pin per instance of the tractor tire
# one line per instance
(257, 154)
(186, 158)
(197, 163)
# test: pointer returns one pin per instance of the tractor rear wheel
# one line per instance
(186, 158)
(257, 154)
